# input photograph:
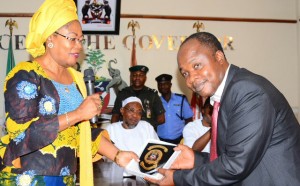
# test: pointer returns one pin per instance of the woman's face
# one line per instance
(67, 44)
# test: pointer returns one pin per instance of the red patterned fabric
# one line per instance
(196, 104)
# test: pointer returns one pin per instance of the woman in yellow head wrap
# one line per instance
(47, 110)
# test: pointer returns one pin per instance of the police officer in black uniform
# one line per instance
(153, 108)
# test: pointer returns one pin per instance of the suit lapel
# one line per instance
(222, 118)
(232, 71)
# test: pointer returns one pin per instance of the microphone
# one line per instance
(89, 79)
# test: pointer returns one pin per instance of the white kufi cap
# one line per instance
(130, 100)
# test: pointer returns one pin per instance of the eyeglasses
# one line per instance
(132, 111)
(73, 40)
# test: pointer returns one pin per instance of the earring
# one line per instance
(50, 45)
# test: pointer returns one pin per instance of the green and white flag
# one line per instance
(10, 57)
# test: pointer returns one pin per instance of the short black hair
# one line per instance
(206, 39)
(207, 103)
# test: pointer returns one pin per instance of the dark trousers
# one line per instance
(174, 141)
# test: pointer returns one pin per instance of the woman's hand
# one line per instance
(90, 107)
(122, 158)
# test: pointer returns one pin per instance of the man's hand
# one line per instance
(186, 158)
(167, 180)
(184, 161)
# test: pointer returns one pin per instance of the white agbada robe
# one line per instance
(130, 139)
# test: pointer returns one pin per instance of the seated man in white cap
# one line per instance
(132, 132)
(154, 111)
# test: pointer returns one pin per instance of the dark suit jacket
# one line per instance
(258, 138)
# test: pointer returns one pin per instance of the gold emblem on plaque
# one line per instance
(153, 157)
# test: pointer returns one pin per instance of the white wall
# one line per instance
(298, 53)
(269, 49)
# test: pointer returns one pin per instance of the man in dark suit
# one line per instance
(258, 139)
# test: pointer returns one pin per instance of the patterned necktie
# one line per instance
(214, 126)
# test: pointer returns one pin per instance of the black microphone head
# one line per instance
(89, 75)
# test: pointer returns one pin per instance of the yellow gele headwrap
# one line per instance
(52, 15)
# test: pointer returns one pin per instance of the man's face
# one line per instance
(138, 79)
(164, 87)
(202, 68)
(132, 113)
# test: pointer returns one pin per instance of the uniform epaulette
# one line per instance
(152, 90)
(181, 95)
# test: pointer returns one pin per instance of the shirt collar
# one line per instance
(219, 92)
